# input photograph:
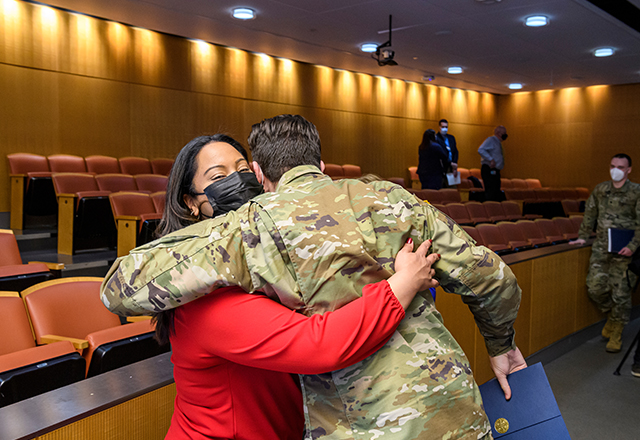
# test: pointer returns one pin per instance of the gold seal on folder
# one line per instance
(501, 425)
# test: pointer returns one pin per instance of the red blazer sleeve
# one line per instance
(256, 331)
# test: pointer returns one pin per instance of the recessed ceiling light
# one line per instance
(603, 52)
(454, 70)
(369, 47)
(244, 13)
(536, 21)
(515, 86)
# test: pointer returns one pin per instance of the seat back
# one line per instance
(135, 165)
(577, 221)
(473, 233)
(69, 307)
(570, 193)
(14, 324)
(583, 193)
(398, 181)
(449, 195)
(161, 166)
(458, 213)
(518, 184)
(151, 182)
(565, 225)
(72, 183)
(533, 183)
(505, 183)
(475, 172)
(464, 173)
(492, 237)
(24, 163)
(116, 182)
(494, 210)
(432, 196)
(511, 231)
(441, 208)
(351, 171)
(131, 203)
(10, 254)
(334, 171)
(549, 229)
(511, 210)
(102, 164)
(67, 163)
(531, 229)
(570, 206)
(159, 200)
(477, 212)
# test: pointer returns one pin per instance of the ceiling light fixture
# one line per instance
(244, 13)
(515, 86)
(454, 70)
(369, 47)
(536, 21)
(603, 52)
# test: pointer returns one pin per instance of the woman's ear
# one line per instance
(192, 205)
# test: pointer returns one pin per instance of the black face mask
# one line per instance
(505, 136)
(232, 192)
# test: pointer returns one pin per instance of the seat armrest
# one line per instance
(128, 217)
(51, 266)
(138, 318)
(78, 344)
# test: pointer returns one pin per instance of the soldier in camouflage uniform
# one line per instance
(312, 245)
(612, 204)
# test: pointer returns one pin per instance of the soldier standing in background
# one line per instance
(612, 204)
(311, 243)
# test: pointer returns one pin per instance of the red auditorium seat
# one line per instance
(505, 183)
(67, 163)
(570, 207)
(449, 195)
(475, 172)
(70, 309)
(577, 222)
(102, 164)
(514, 236)
(495, 211)
(473, 233)
(441, 208)
(519, 184)
(550, 230)
(477, 212)
(412, 178)
(397, 181)
(161, 166)
(493, 238)
(583, 193)
(334, 171)
(533, 233)
(25, 369)
(459, 214)
(566, 227)
(464, 173)
(151, 182)
(116, 182)
(543, 195)
(159, 200)
(570, 193)
(351, 171)
(135, 165)
(512, 210)
(432, 196)
(136, 219)
(533, 183)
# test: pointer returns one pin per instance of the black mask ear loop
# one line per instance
(202, 215)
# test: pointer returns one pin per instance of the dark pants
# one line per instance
(636, 357)
(491, 181)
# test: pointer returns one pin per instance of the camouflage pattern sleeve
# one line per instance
(590, 215)
(635, 243)
(487, 285)
(178, 268)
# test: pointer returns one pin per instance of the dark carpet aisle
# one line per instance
(596, 404)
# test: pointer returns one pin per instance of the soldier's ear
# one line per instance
(322, 166)
(258, 172)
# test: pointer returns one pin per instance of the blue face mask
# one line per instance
(232, 192)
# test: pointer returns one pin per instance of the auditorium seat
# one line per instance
(464, 173)
(136, 219)
(569, 193)
(15, 276)
(116, 182)
(32, 194)
(583, 193)
(566, 227)
(67, 163)
(397, 181)
(25, 369)
(334, 171)
(473, 233)
(449, 195)
(102, 164)
(533, 233)
(412, 178)
(494, 211)
(550, 230)
(432, 196)
(570, 207)
(351, 171)
(519, 184)
(151, 182)
(135, 165)
(158, 199)
(441, 208)
(514, 236)
(511, 210)
(459, 214)
(475, 172)
(161, 166)
(477, 212)
(543, 195)
(493, 238)
(533, 183)
(85, 220)
(556, 194)
(505, 183)
(69, 309)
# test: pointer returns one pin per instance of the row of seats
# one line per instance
(28, 164)
(473, 213)
(137, 216)
(79, 182)
(58, 332)
(342, 171)
(506, 237)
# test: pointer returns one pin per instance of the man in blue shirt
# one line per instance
(492, 162)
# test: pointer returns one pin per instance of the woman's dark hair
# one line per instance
(177, 214)
(428, 137)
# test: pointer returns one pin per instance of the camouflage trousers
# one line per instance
(610, 284)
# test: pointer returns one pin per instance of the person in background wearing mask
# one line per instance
(492, 162)
(432, 161)
(612, 204)
(448, 143)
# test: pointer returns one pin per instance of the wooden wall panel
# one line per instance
(522, 326)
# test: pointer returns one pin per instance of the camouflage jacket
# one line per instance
(312, 245)
(611, 207)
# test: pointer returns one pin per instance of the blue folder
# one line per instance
(531, 414)
(619, 238)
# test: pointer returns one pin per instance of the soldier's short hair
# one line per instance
(284, 142)
(623, 156)
(441, 121)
